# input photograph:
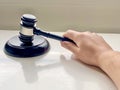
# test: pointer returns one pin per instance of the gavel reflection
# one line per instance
(31, 67)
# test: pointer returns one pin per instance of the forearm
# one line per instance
(109, 62)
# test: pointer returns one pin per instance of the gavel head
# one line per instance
(26, 44)
(27, 23)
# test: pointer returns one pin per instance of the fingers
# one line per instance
(75, 35)
(70, 46)
(71, 34)
(78, 38)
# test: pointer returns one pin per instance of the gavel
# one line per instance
(29, 42)
(29, 29)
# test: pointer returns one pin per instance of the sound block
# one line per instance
(14, 47)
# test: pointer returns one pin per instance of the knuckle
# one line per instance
(82, 35)
(69, 31)
(87, 32)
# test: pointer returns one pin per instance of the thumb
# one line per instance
(70, 46)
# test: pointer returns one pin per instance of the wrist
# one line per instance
(106, 58)
(109, 62)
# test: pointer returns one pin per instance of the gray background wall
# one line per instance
(60, 15)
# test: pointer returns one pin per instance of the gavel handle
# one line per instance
(53, 36)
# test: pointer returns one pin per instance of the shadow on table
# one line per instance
(86, 76)
(83, 74)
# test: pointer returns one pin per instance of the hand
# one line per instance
(89, 46)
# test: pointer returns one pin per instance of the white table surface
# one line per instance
(55, 70)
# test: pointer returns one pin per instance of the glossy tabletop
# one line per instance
(55, 70)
